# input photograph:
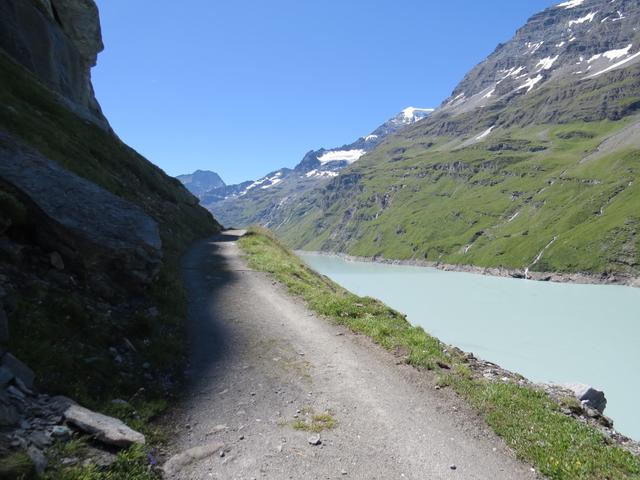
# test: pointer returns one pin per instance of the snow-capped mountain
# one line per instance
(577, 39)
(238, 204)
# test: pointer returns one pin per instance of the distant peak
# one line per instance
(413, 114)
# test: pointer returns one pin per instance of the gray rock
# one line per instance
(105, 429)
(176, 463)
(588, 396)
(19, 370)
(100, 230)
(8, 415)
(39, 460)
(40, 439)
(56, 261)
(4, 326)
(314, 439)
(6, 376)
(60, 432)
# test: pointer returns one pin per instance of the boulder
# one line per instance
(40, 462)
(4, 326)
(88, 225)
(19, 370)
(6, 376)
(56, 261)
(8, 414)
(106, 429)
(588, 396)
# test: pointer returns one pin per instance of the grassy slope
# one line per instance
(416, 197)
(59, 355)
(528, 420)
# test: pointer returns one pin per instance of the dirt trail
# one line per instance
(259, 358)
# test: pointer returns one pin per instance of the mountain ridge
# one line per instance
(537, 175)
(252, 201)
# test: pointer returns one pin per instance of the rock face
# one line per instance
(106, 429)
(82, 217)
(571, 39)
(59, 41)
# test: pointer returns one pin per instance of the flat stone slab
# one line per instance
(176, 463)
(106, 429)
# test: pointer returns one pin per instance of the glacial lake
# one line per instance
(548, 332)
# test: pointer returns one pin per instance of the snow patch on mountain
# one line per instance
(263, 183)
(587, 18)
(348, 156)
(530, 83)
(570, 4)
(413, 114)
(615, 65)
(547, 63)
(321, 173)
(485, 133)
(612, 54)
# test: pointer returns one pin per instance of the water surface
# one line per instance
(549, 332)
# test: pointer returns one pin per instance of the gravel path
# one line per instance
(259, 358)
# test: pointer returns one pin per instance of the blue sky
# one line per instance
(246, 87)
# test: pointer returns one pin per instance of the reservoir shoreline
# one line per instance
(582, 278)
(465, 313)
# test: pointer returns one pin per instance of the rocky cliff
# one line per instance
(58, 41)
(91, 234)
(530, 165)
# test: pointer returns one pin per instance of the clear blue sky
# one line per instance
(244, 87)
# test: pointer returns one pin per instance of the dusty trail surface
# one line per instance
(259, 358)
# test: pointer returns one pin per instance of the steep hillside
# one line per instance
(91, 234)
(532, 163)
(260, 201)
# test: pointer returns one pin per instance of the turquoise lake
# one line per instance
(548, 332)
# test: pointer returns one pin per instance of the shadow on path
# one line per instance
(208, 277)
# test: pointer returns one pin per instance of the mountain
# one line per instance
(531, 164)
(91, 236)
(201, 181)
(260, 200)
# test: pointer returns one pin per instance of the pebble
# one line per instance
(343, 472)
(452, 467)
(314, 440)
(61, 432)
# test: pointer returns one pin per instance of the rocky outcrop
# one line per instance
(58, 41)
(85, 223)
(588, 396)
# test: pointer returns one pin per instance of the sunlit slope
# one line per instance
(559, 164)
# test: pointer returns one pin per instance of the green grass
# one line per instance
(530, 422)
(16, 466)
(315, 422)
(430, 205)
(131, 464)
